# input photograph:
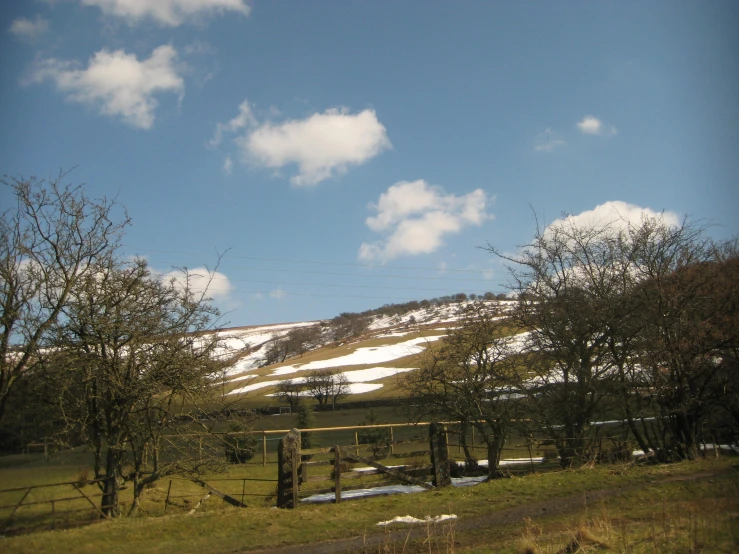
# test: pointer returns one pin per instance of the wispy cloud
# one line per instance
(321, 146)
(591, 125)
(414, 218)
(278, 293)
(29, 30)
(168, 12)
(117, 84)
(245, 118)
(547, 140)
(228, 165)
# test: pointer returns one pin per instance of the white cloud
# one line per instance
(591, 125)
(415, 216)
(228, 165)
(278, 293)
(323, 145)
(167, 12)
(546, 141)
(201, 280)
(617, 214)
(116, 83)
(245, 118)
(29, 29)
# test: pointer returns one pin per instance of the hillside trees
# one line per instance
(472, 377)
(326, 386)
(290, 391)
(630, 318)
(689, 297)
(566, 281)
(51, 237)
(130, 357)
(294, 343)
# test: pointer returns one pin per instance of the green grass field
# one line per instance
(662, 509)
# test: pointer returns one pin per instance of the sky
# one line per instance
(333, 156)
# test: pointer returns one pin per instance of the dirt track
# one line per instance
(506, 516)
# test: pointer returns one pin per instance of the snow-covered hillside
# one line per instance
(363, 361)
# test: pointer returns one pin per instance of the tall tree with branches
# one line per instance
(51, 238)
(132, 359)
(473, 376)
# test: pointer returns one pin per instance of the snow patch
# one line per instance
(364, 356)
(415, 520)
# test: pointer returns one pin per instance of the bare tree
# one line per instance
(290, 391)
(689, 336)
(295, 342)
(473, 377)
(565, 281)
(632, 317)
(132, 358)
(50, 239)
(326, 386)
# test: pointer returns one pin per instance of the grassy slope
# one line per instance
(658, 510)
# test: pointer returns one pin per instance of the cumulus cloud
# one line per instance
(213, 284)
(547, 140)
(591, 125)
(324, 145)
(29, 29)
(117, 84)
(414, 217)
(615, 213)
(168, 12)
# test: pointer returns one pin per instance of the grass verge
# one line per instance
(634, 515)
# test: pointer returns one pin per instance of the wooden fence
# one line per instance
(293, 463)
(38, 510)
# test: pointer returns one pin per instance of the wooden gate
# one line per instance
(293, 464)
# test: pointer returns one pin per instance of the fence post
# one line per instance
(440, 455)
(337, 474)
(356, 441)
(392, 440)
(288, 459)
(166, 500)
(264, 449)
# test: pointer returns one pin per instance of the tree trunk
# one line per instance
(495, 445)
(463, 427)
(109, 502)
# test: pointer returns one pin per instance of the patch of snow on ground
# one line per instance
(386, 490)
(373, 373)
(414, 520)
(509, 462)
(254, 386)
(357, 380)
(362, 356)
(359, 388)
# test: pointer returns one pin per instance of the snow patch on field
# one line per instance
(374, 373)
(254, 386)
(387, 490)
(364, 356)
(414, 520)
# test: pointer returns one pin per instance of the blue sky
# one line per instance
(349, 154)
